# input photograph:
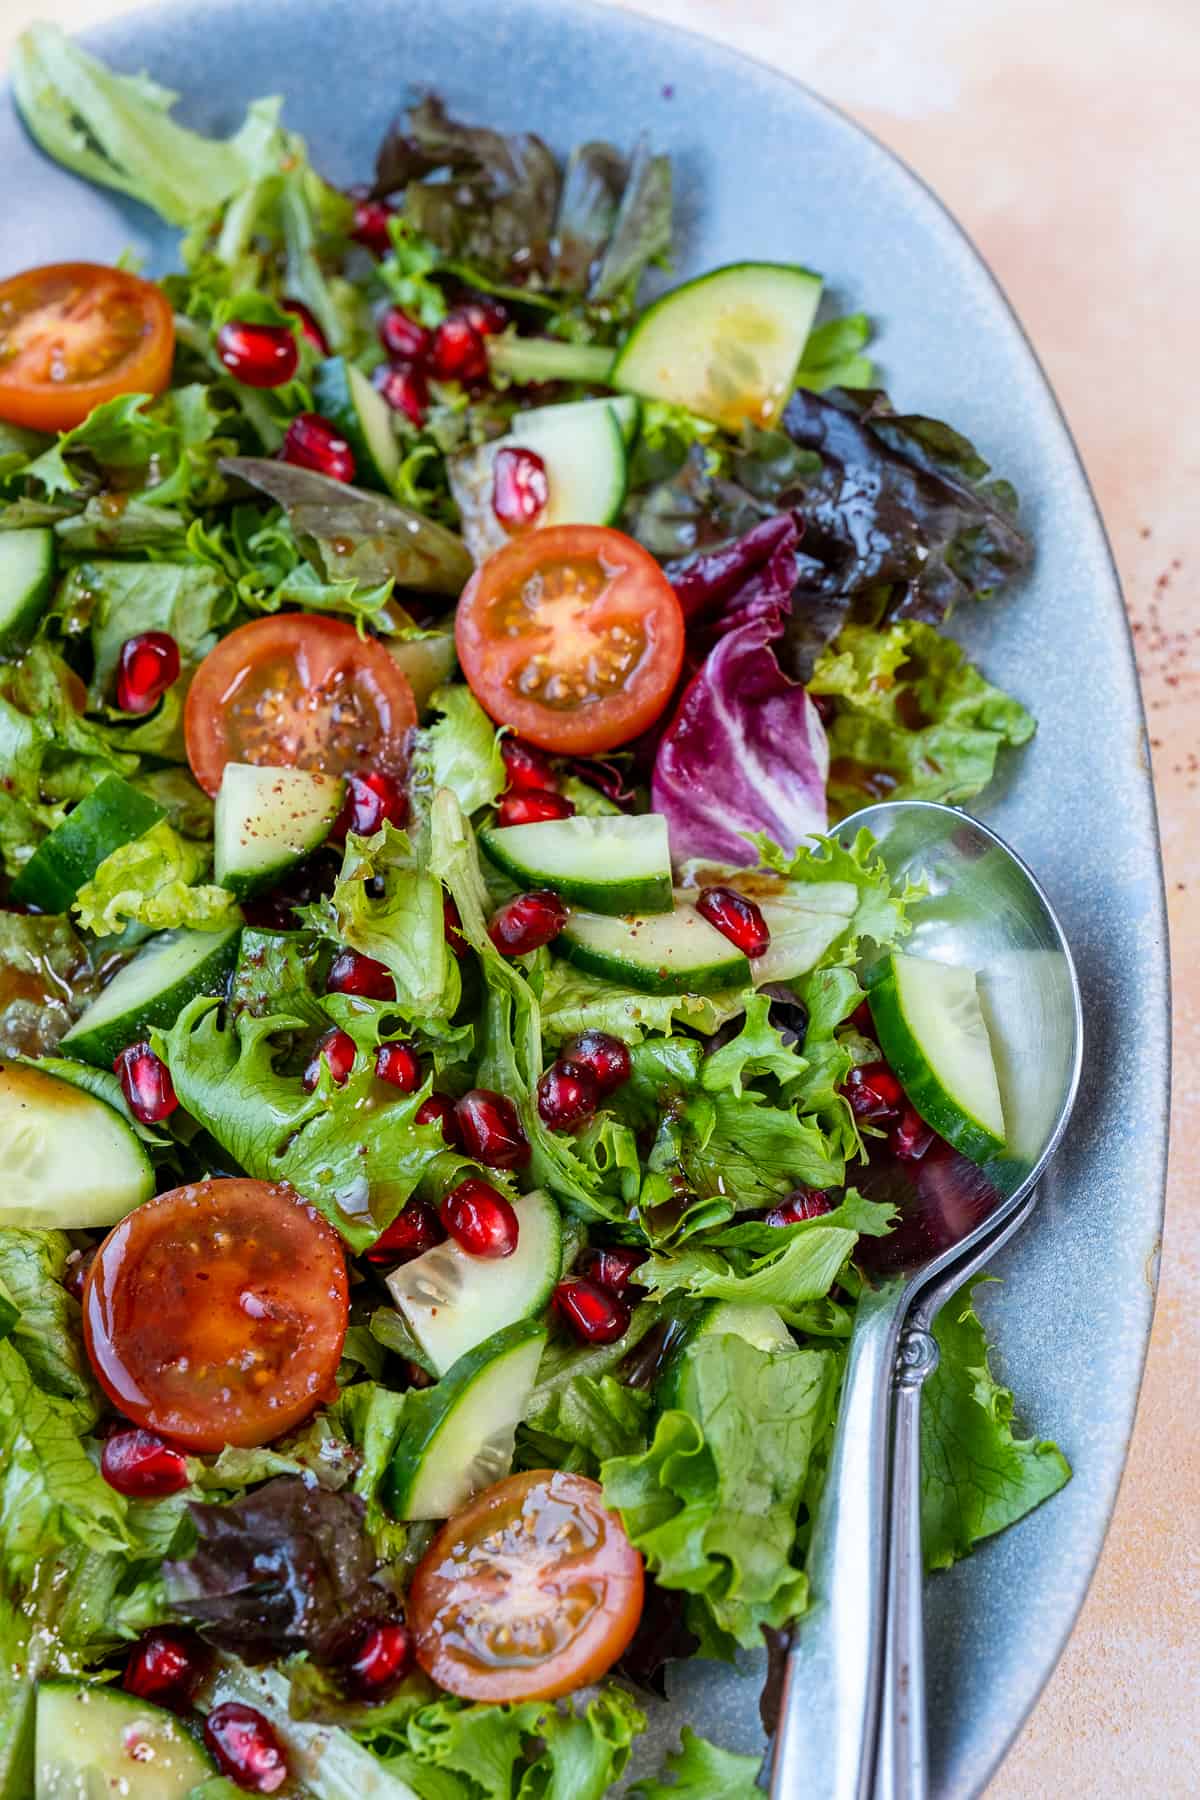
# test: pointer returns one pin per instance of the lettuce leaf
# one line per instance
(460, 750)
(154, 881)
(699, 1770)
(572, 1001)
(833, 355)
(190, 602)
(588, 1419)
(880, 914)
(48, 1330)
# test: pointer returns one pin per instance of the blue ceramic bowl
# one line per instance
(765, 169)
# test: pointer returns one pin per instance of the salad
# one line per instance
(453, 1087)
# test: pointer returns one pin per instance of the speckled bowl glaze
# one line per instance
(764, 169)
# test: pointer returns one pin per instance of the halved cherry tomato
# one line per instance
(531, 1591)
(572, 636)
(302, 690)
(75, 334)
(216, 1313)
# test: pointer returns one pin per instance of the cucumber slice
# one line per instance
(26, 582)
(583, 448)
(429, 662)
(266, 820)
(152, 990)
(345, 397)
(94, 1740)
(463, 1439)
(111, 815)
(614, 864)
(726, 346)
(931, 1029)
(71, 1162)
(657, 953)
(453, 1301)
(757, 1325)
(627, 407)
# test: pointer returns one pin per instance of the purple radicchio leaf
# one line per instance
(746, 750)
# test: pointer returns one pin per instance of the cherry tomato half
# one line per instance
(301, 690)
(572, 636)
(75, 334)
(216, 1313)
(531, 1591)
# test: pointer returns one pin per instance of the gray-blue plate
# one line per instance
(764, 169)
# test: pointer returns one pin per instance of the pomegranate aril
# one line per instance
(802, 1203)
(147, 666)
(478, 1217)
(612, 1268)
(520, 488)
(370, 227)
(530, 808)
(458, 352)
(826, 706)
(246, 1748)
(312, 442)
(527, 767)
(594, 1314)
(308, 325)
(873, 1092)
(383, 1657)
(527, 922)
(403, 336)
(490, 1131)
(405, 390)
(400, 1066)
(486, 314)
(415, 1229)
(439, 1109)
(146, 1083)
(259, 356)
(452, 926)
(606, 1056)
(353, 973)
(167, 1666)
(336, 1051)
(910, 1138)
(75, 1273)
(736, 918)
(567, 1096)
(861, 1019)
(371, 801)
(139, 1465)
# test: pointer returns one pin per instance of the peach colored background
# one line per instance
(1065, 134)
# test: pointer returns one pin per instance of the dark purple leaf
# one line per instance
(662, 1637)
(770, 1701)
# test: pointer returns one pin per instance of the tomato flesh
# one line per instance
(572, 636)
(530, 1592)
(215, 1314)
(75, 334)
(302, 691)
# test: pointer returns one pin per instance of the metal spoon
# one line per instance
(983, 909)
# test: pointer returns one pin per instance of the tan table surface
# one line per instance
(1065, 135)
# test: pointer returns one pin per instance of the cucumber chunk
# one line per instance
(583, 448)
(26, 582)
(759, 1325)
(931, 1029)
(627, 408)
(114, 813)
(95, 1740)
(453, 1301)
(727, 345)
(614, 864)
(462, 1440)
(152, 990)
(267, 820)
(657, 953)
(71, 1163)
(345, 397)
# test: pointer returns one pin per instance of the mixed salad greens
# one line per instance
(437, 1073)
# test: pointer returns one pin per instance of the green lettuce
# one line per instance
(833, 355)
(460, 750)
(576, 1751)
(47, 1331)
(155, 881)
(699, 1770)
(572, 1001)
(880, 912)
(121, 599)
(581, 1423)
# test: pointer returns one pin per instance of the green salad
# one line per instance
(455, 1084)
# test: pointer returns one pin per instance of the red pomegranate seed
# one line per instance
(75, 1273)
(167, 1666)
(479, 1218)
(439, 1109)
(371, 800)
(861, 1019)
(146, 668)
(527, 922)
(567, 1096)
(402, 336)
(826, 705)
(487, 314)
(405, 390)
(873, 1091)
(353, 973)
(246, 1748)
(146, 1083)
(910, 1137)
(606, 1056)
(336, 1051)
(259, 356)
(612, 1268)
(370, 226)
(139, 1465)
(415, 1229)
(520, 488)
(400, 1066)
(802, 1203)
(736, 918)
(531, 808)
(490, 1131)
(308, 325)
(458, 352)
(594, 1314)
(383, 1657)
(452, 925)
(527, 767)
(312, 442)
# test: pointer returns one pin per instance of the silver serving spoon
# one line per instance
(983, 909)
